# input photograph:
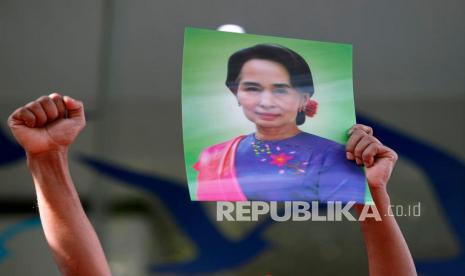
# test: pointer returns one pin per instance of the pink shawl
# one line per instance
(217, 180)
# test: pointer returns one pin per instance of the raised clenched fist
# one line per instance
(365, 149)
(50, 123)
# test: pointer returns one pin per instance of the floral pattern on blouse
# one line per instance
(281, 156)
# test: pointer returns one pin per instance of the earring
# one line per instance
(300, 119)
(238, 103)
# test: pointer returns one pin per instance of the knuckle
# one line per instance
(47, 102)
(55, 95)
(376, 140)
(365, 138)
(18, 111)
(359, 131)
(356, 133)
(36, 107)
(30, 105)
(370, 139)
(43, 99)
(355, 127)
(24, 112)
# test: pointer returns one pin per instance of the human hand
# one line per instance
(367, 150)
(50, 123)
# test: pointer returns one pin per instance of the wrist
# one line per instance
(380, 195)
(48, 153)
(51, 158)
(52, 180)
(382, 200)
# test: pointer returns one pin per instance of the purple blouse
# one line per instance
(303, 167)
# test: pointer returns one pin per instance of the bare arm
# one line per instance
(45, 128)
(388, 253)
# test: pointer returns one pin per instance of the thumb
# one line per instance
(74, 107)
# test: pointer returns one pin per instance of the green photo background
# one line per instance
(210, 112)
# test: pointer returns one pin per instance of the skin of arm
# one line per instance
(388, 252)
(45, 128)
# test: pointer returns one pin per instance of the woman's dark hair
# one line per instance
(299, 71)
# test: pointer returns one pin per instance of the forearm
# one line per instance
(69, 233)
(388, 253)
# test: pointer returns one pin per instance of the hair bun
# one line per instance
(310, 108)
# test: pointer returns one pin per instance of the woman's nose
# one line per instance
(267, 99)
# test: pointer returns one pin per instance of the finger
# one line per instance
(350, 156)
(386, 152)
(369, 153)
(74, 108)
(58, 100)
(376, 140)
(39, 113)
(368, 130)
(22, 116)
(354, 138)
(365, 128)
(362, 144)
(49, 107)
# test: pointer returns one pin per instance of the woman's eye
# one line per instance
(252, 89)
(280, 91)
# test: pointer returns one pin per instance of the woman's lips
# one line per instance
(267, 116)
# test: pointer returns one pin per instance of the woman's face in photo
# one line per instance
(266, 95)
